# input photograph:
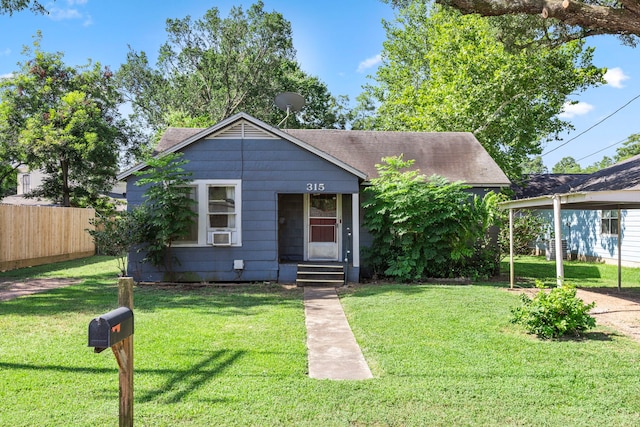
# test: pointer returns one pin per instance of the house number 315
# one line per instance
(314, 186)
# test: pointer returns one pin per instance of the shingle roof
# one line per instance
(624, 175)
(458, 156)
(542, 184)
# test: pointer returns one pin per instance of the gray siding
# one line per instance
(266, 167)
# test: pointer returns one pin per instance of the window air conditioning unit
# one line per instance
(219, 238)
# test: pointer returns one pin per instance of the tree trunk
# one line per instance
(66, 196)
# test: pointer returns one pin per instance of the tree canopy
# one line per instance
(213, 67)
(10, 6)
(629, 148)
(64, 121)
(443, 71)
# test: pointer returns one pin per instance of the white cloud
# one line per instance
(572, 110)
(71, 12)
(6, 76)
(615, 76)
(369, 63)
(58, 14)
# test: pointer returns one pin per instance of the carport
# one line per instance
(592, 200)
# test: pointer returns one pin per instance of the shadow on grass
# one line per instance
(98, 297)
(178, 385)
(181, 383)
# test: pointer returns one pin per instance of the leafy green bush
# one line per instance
(554, 314)
(166, 212)
(527, 228)
(427, 227)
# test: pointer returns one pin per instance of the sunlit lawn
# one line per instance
(581, 274)
(441, 355)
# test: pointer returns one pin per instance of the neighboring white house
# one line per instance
(593, 234)
(29, 180)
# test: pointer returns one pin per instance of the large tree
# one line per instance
(213, 67)
(567, 165)
(588, 17)
(443, 71)
(64, 121)
(630, 148)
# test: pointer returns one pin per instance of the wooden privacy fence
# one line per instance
(35, 235)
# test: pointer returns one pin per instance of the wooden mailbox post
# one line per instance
(115, 330)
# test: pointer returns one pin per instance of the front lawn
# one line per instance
(441, 355)
(581, 274)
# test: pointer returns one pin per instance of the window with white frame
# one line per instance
(26, 183)
(609, 222)
(218, 208)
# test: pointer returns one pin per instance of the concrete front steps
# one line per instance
(321, 274)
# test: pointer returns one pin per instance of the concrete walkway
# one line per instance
(332, 349)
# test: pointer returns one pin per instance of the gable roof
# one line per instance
(237, 126)
(458, 156)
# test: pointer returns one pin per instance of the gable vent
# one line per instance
(244, 130)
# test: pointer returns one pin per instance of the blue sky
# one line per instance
(337, 41)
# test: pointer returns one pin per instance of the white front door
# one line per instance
(323, 220)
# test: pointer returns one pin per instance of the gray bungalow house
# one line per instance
(269, 199)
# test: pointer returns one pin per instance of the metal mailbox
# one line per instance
(109, 329)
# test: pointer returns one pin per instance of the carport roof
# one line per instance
(594, 200)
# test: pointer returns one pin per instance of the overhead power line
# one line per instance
(591, 127)
(601, 150)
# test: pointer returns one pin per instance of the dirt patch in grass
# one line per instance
(10, 289)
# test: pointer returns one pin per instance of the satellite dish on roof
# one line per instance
(289, 102)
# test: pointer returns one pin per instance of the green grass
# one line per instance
(441, 355)
(581, 274)
(92, 268)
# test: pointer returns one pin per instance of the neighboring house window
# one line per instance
(610, 222)
(26, 183)
(218, 220)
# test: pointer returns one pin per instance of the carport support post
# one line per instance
(619, 250)
(557, 226)
(124, 355)
(512, 274)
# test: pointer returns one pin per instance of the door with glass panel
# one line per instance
(323, 227)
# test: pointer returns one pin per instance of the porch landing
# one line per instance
(332, 350)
